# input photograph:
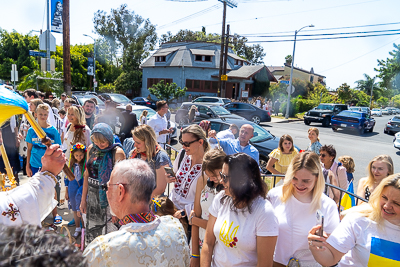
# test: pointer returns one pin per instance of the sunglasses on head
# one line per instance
(187, 144)
(104, 187)
(224, 177)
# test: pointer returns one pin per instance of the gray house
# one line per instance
(196, 65)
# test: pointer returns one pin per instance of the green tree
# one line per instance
(131, 80)
(167, 91)
(382, 101)
(45, 81)
(344, 93)
(389, 71)
(288, 59)
(396, 101)
(367, 84)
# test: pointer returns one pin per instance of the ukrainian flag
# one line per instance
(348, 201)
(11, 104)
(384, 253)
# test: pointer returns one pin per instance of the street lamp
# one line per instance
(291, 72)
(94, 61)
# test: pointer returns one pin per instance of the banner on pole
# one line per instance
(90, 68)
(56, 16)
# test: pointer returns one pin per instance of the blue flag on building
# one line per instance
(56, 16)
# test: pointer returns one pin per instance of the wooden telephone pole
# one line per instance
(66, 49)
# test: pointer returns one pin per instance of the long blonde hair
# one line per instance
(79, 133)
(384, 158)
(147, 135)
(310, 162)
(373, 210)
(199, 133)
(144, 114)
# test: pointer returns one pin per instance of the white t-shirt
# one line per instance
(365, 243)
(236, 233)
(295, 221)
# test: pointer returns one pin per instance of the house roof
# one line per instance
(306, 71)
(245, 72)
(202, 52)
(276, 68)
(235, 56)
(165, 51)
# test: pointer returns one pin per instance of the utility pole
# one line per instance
(231, 4)
(66, 49)
(221, 57)
(223, 92)
(48, 34)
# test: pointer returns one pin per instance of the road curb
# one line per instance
(286, 121)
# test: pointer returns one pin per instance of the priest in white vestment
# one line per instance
(31, 202)
(143, 239)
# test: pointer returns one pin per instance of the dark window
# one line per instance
(152, 81)
(207, 58)
(311, 78)
(161, 59)
(196, 84)
(203, 58)
(215, 126)
(207, 85)
(215, 86)
(198, 58)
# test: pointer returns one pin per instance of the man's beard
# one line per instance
(87, 113)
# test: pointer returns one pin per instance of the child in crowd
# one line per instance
(77, 164)
(36, 149)
(349, 164)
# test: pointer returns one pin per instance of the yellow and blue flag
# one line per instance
(11, 104)
(384, 253)
(348, 201)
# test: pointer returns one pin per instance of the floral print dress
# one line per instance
(206, 198)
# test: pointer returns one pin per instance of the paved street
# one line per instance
(361, 148)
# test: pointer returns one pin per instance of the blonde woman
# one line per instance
(315, 145)
(143, 117)
(280, 158)
(378, 169)
(194, 142)
(296, 204)
(369, 236)
(147, 149)
(208, 186)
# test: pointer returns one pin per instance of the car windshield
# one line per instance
(325, 107)
(376, 109)
(120, 99)
(138, 112)
(83, 98)
(396, 118)
(219, 110)
(348, 113)
(260, 134)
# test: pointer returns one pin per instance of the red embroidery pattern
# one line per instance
(185, 177)
(13, 213)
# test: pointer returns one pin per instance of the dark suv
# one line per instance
(323, 113)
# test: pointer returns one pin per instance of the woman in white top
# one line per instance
(242, 228)
(296, 204)
(143, 117)
(208, 187)
(195, 144)
(368, 236)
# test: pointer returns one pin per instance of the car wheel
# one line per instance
(307, 122)
(183, 121)
(371, 130)
(334, 129)
(326, 122)
(362, 130)
(256, 119)
(263, 164)
(385, 131)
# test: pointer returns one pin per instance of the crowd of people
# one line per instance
(219, 212)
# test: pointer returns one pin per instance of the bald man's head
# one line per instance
(246, 133)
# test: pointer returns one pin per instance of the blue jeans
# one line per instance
(34, 170)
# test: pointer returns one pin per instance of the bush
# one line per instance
(293, 109)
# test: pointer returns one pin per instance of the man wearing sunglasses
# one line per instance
(161, 239)
(239, 145)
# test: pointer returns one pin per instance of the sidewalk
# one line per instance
(281, 119)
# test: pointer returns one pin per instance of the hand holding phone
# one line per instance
(320, 221)
(170, 174)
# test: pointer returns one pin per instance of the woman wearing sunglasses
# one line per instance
(195, 144)
(242, 228)
(296, 204)
(208, 186)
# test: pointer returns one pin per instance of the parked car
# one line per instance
(81, 98)
(116, 98)
(249, 112)
(376, 112)
(355, 120)
(385, 111)
(362, 109)
(212, 100)
(393, 125)
(396, 140)
(206, 112)
(143, 101)
(323, 113)
(263, 140)
(137, 109)
(393, 110)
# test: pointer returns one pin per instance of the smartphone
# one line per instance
(183, 213)
(320, 221)
(170, 171)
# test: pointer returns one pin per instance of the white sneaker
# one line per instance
(77, 232)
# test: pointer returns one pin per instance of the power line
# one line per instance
(327, 38)
(325, 34)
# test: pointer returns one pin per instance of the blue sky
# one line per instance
(341, 60)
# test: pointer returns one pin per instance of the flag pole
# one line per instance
(7, 165)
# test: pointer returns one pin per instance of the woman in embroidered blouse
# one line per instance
(146, 144)
(195, 144)
(315, 145)
(282, 156)
(208, 187)
(378, 169)
(296, 204)
(242, 228)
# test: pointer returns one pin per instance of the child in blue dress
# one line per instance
(74, 188)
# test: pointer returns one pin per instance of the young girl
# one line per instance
(77, 164)
(143, 117)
